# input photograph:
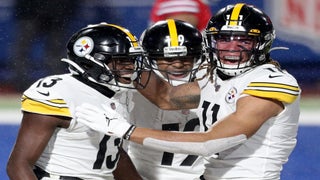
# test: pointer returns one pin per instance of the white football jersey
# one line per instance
(262, 155)
(77, 151)
(159, 165)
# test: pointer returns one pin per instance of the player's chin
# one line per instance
(178, 76)
(125, 79)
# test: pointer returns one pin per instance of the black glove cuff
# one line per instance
(127, 135)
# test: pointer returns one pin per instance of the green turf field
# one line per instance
(310, 103)
(9, 102)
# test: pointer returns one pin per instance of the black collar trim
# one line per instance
(102, 89)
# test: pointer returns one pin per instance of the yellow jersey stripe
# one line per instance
(235, 14)
(280, 96)
(274, 85)
(52, 102)
(34, 106)
(173, 32)
(131, 36)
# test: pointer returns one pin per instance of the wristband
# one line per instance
(127, 135)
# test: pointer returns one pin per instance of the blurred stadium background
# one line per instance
(297, 26)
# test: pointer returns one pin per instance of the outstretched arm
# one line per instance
(234, 129)
(251, 113)
(166, 96)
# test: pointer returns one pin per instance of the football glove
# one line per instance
(106, 121)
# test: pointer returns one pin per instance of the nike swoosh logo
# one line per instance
(45, 94)
(274, 76)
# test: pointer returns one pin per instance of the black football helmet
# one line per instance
(245, 21)
(96, 51)
(172, 39)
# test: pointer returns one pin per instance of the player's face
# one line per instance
(175, 68)
(123, 69)
(234, 49)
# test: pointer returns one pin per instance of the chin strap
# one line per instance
(81, 71)
(172, 82)
(75, 65)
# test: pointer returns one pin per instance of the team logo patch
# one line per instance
(231, 95)
(83, 46)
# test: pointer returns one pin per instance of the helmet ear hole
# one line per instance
(104, 58)
(99, 57)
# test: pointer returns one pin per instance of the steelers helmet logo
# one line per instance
(83, 46)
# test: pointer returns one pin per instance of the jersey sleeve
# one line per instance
(44, 101)
(280, 86)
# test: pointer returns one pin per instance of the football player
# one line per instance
(174, 51)
(248, 106)
(103, 61)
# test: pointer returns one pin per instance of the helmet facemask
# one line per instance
(175, 70)
(235, 59)
(125, 70)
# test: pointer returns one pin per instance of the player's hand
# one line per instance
(106, 121)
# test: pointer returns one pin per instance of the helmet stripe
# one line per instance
(127, 32)
(235, 14)
(173, 32)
